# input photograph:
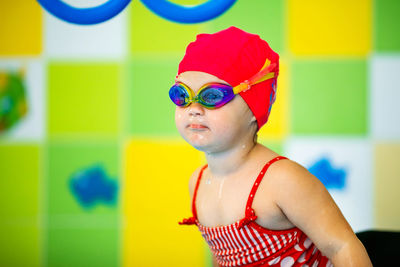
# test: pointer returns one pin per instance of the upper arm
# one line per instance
(307, 204)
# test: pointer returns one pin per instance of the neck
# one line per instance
(226, 162)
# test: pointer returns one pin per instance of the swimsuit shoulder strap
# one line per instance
(195, 191)
(249, 211)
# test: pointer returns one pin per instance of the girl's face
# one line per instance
(213, 130)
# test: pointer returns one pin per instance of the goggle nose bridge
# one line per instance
(194, 99)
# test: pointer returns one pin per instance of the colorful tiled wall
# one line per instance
(92, 169)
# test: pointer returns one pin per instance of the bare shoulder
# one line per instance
(288, 181)
(285, 166)
(290, 173)
(193, 180)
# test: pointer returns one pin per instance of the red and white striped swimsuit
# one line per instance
(246, 243)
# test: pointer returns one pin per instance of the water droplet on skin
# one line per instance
(221, 185)
(243, 146)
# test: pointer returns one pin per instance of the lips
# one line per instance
(197, 126)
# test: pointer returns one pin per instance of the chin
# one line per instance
(207, 146)
(199, 142)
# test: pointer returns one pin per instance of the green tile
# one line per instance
(19, 181)
(261, 17)
(82, 247)
(20, 244)
(83, 99)
(387, 24)
(19, 205)
(65, 159)
(151, 33)
(329, 97)
(77, 236)
(150, 110)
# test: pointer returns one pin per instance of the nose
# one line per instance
(195, 109)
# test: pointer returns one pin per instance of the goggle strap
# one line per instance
(264, 74)
(261, 75)
(266, 77)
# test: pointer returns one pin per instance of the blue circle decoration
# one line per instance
(84, 16)
(188, 14)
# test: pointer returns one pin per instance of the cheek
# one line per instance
(235, 118)
(222, 122)
(179, 117)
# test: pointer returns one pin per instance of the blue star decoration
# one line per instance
(91, 186)
(332, 178)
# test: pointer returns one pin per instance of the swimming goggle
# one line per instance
(215, 95)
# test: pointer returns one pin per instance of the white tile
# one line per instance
(33, 126)
(385, 97)
(106, 40)
(354, 157)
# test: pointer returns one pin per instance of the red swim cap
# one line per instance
(234, 56)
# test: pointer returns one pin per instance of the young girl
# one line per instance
(252, 206)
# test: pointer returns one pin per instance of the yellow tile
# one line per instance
(387, 184)
(155, 197)
(324, 27)
(277, 124)
(20, 28)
